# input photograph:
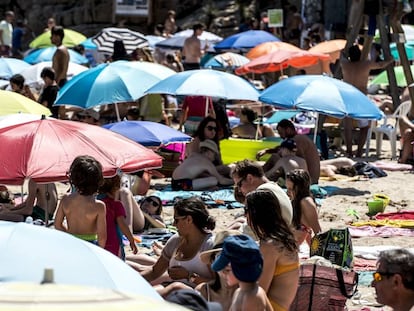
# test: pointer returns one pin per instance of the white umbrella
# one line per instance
(177, 41)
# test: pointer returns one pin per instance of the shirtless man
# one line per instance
(41, 197)
(192, 52)
(85, 215)
(305, 149)
(356, 72)
(288, 161)
(198, 171)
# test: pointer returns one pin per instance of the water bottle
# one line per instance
(29, 220)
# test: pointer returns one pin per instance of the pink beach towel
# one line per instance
(392, 166)
(366, 231)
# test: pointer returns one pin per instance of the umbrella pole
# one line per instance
(315, 132)
(47, 205)
(118, 117)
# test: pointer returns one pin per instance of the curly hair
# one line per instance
(195, 208)
(265, 218)
(85, 174)
(301, 183)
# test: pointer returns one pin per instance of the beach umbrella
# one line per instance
(18, 118)
(88, 44)
(409, 50)
(331, 47)
(11, 66)
(32, 73)
(72, 260)
(206, 82)
(268, 47)
(177, 40)
(71, 39)
(227, 60)
(12, 102)
(23, 296)
(382, 78)
(46, 54)
(245, 40)
(44, 150)
(153, 40)
(147, 133)
(321, 94)
(279, 60)
(110, 83)
(105, 39)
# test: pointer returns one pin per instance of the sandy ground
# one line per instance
(333, 210)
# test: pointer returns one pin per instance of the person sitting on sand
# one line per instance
(116, 225)
(305, 149)
(242, 262)
(277, 243)
(41, 197)
(151, 207)
(288, 162)
(305, 213)
(198, 172)
(85, 215)
(248, 129)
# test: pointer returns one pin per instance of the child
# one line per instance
(115, 218)
(151, 206)
(242, 261)
(85, 215)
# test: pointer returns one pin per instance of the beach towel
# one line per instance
(392, 166)
(383, 232)
(407, 215)
(386, 222)
(369, 170)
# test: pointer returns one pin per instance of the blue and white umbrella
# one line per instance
(46, 54)
(206, 82)
(147, 133)
(110, 83)
(11, 66)
(321, 94)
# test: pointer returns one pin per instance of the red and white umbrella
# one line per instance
(44, 150)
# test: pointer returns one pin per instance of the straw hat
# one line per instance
(218, 243)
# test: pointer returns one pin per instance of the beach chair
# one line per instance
(389, 127)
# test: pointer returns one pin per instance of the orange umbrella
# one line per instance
(279, 60)
(329, 46)
(268, 47)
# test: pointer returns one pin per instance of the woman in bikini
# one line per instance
(305, 213)
(278, 246)
(180, 257)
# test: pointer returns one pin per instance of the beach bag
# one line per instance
(334, 245)
(324, 288)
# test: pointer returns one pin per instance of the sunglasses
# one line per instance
(153, 202)
(378, 276)
(211, 128)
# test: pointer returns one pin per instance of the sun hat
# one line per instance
(289, 144)
(90, 113)
(192, 300)
(217, 244)
(243, 253)
(209, 144)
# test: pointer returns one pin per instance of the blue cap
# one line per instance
(288, 143)
(243, 253)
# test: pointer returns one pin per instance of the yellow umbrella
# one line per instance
(70, 39)
(56, 297)
(12, 102)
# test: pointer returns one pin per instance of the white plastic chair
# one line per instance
(390, 128)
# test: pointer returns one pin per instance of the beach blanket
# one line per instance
(407, 215)
(223, 198)
(392, 166)
(386, 222)
(384, 231)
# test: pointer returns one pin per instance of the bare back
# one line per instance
(192, 50)
(356, 73)
(307, 149)
(253, 299)
(84, 216)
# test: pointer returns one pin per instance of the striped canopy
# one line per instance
(105, 39)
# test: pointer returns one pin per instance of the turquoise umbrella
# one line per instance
(409, 49)
(382, 78)
(46, 54)
(11, 66)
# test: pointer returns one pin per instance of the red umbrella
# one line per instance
(44, 150)
(281, 59)
(269, 47)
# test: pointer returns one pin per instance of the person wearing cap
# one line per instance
(198, 172)
(217, 289)
(242, 263)
(288, 162)
(277, 242)
(90, 116)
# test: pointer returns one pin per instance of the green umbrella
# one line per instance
(70, 39)
(382, 78)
